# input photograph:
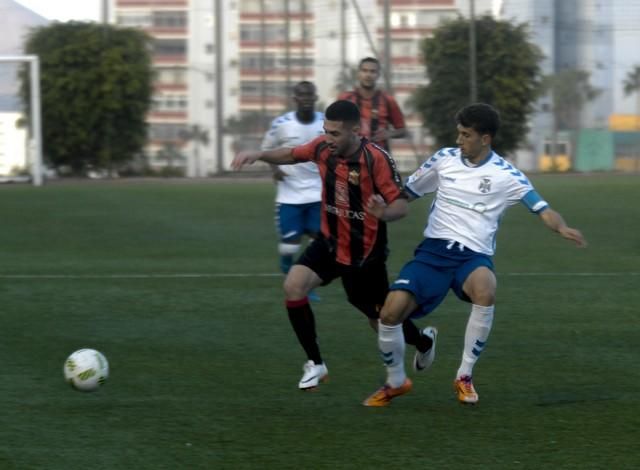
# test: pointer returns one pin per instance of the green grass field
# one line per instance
(177, 284)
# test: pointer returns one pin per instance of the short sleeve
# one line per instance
(425, 179)
(387, 178)
(307, 152)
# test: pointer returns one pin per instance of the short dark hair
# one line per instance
(343, 110)
(480, 117)
(303, 84)
(373, 60)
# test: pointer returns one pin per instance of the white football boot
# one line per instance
(313, 375)
(423, 360)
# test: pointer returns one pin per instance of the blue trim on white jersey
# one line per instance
(411, 192)
(534, 202)
(485, 160)
(506, 166)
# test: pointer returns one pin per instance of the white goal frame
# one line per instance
(34, 149)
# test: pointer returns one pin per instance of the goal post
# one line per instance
(34, 147)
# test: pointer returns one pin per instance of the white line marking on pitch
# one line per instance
(257, 275)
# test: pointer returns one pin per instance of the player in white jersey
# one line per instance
(473, 186)
(299, 191)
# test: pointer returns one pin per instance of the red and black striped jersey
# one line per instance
(376, 113)
(347, 184)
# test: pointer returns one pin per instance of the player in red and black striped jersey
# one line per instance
(380, 116)
(361, 191)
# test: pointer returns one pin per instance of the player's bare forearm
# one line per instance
(385, 134)
(555, 222)
(279, 156)
(398, 133)
(387, 212)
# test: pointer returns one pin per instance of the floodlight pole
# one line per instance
(35, 139)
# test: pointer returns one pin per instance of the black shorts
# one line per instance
(366, 286)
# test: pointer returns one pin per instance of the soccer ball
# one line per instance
(86, 370)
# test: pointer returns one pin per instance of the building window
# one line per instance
(134, 20)
(170, 19)
(296, 62)
(165, 131)
(274, 6)
(250, 6)
(403, 20)
(299, 32)
(408, 77)
(275, 32)
(254, 32)
(169, 103)
(171, 76)
(170, 47)
(432, 19)
(255, 88)
(253, 60)
(405, 48)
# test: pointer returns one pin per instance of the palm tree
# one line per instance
(632, 85)
(570, 91)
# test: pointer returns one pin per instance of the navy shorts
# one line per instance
(295, 220)
(437, 266)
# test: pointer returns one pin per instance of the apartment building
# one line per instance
(410, 21)
(167, 22)
(266, 46)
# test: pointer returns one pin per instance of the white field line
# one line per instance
(259, 275)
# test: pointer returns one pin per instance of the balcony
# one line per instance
(152, 3)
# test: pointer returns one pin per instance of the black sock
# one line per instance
(304, 324)
(414, 337)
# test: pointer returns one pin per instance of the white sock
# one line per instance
(475, 337)
(391, 344)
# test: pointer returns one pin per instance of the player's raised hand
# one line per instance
(244, 158)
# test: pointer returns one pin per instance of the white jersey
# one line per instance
(302, 183)
(470, 200)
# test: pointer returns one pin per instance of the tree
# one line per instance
(508, 78)
(632, 85)
(570, 91)
(96, 86)
(632, 81)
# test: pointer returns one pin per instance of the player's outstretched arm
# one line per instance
(386, 134)
(279, 156)
(555, 222)
(387, 212)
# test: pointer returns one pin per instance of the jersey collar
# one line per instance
(485, 160)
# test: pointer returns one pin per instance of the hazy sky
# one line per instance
(65, 10)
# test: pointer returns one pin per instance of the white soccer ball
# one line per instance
(86, 370)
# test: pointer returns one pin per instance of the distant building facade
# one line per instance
(267, 46)
(596, 36)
